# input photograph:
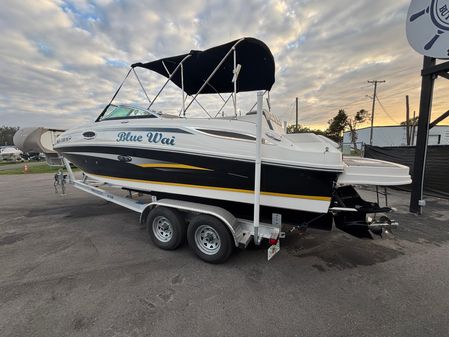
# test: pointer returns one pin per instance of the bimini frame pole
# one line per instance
(214, 71)
(183, 93)
(235, 81)
(258, 167)
(169, 79)
(224, 104)
(141, 85)
(115, 95)
(256, 102)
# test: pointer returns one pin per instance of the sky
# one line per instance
(61, 61)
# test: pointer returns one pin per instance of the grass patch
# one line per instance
(4, 163)
(42, 168)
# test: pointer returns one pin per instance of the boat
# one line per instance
(10, 153)
(39, 141)
(212, 159)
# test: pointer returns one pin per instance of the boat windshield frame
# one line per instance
(104, 115)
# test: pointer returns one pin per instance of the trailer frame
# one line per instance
(242, 230)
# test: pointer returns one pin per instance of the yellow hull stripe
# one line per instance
(285, 195)
(178, 166)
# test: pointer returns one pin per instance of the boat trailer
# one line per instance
(167, 218)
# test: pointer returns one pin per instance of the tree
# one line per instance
(303, 129)
(337, 125)
(7, 134)
(413, 121)
(297, 129)
(360, 117)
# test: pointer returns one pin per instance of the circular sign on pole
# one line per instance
(428, 27)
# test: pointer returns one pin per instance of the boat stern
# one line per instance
(366, 171)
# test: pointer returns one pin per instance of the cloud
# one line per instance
(61, 61)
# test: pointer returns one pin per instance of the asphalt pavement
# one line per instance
(76, 265)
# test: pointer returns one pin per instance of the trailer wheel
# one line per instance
(209, 239)
(166, 228)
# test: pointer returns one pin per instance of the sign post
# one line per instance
(428, 34)
(425, 107)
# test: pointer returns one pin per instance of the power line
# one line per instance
(401, 71)
(333, 106)
(375, 82)
(398, 94)
(385, 110)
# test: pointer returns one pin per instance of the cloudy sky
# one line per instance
(61, 61)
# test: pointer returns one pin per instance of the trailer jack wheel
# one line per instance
(209, 239)
(166, 228)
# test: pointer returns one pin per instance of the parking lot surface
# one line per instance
(76, 265)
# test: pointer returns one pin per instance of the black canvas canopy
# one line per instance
(255, 58)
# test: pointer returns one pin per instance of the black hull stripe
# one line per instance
(94, 148)
(219, 173)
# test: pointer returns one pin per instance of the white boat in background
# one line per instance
(10, 153)
(39, 140)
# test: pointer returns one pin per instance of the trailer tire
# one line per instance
(166, 227)
(209, 239)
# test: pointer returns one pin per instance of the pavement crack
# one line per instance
(177, 279)
(92, 244)
(167, 295)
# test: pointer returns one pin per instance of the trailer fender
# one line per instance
(144, 214)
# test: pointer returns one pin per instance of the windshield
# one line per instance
(121, 112)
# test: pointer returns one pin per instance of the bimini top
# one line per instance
(254, 57)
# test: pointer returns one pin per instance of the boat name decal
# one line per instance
(151, 137)
(63, 139)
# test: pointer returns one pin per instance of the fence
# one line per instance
(349, 150)
(436, 179)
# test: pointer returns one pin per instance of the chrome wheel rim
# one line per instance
(162, 229)
(207, 240)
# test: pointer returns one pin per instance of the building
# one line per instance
(397, 136)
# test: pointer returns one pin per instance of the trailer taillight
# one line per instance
(272, 241)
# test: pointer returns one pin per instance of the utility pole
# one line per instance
(407, 119)
(412, 137)
(375, 82)
(297, 108)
